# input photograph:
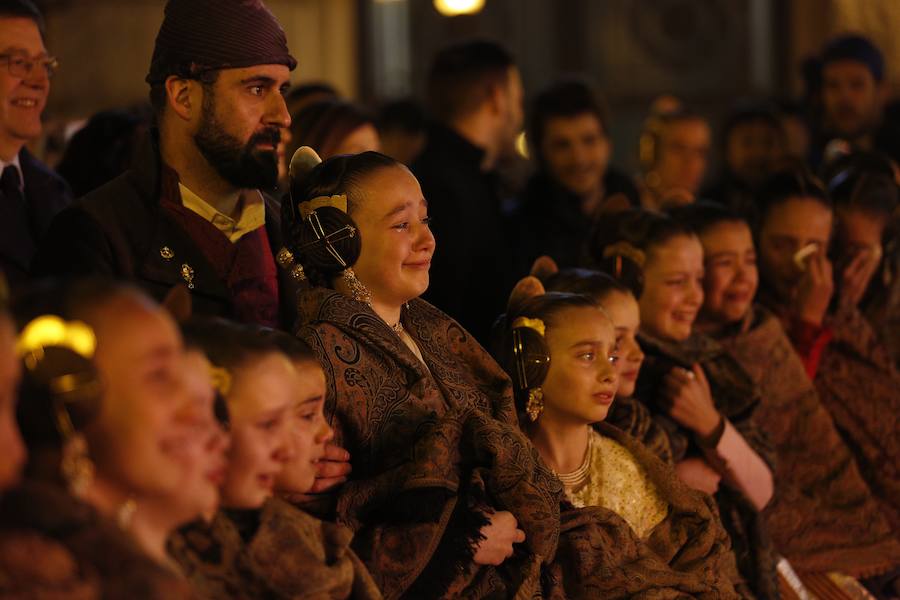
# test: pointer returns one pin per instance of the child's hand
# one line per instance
(690, 400)
(332, 469)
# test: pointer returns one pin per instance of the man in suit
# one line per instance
(30, 194)
(475, 97)
(192, 209)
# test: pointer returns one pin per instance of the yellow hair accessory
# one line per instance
(51, 331)
(221, 380)
(534, 324)
(339, 202)
(626, 249)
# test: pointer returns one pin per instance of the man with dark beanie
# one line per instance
(191, 210)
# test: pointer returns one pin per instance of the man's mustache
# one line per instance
(266, 136)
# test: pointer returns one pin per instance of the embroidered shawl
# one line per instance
(434, 447)
(823, 516)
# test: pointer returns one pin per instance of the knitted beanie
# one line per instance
(201, 35)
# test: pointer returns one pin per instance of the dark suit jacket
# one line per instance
(46, 193)
(472, 271)
(121, 231)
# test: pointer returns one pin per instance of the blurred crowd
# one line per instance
(260, 341)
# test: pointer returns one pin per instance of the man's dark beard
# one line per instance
(241, 166)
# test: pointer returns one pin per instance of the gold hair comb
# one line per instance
(529, 323)
(626, 249)
(338, 201)
(48, 331)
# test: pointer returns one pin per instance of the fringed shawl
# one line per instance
(823, 516)
(284, 554)
(860, 386)
(77, 553)
(631, 416)
(434, 446)
(737, 398)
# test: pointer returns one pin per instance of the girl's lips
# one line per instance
(738, 296)
(605, 398)
(684, 317)
(216, 477)
(423, 264)
(266, 480)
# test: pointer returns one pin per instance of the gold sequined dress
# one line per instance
(617, 482)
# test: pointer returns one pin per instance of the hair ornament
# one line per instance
(285, 259)
(529, 323)
(45, 333)
(51, 331)
(338, 201)
(626, 249)
(221, 379)
(304, 160)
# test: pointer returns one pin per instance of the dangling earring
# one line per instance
(535, 405)
(358, 291)
(76, 466)
(125, 513)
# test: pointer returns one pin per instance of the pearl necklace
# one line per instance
(577, 478)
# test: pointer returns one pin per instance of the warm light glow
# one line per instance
(49, 330)
(522, 145)
(452, 8)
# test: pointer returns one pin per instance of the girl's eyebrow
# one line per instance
(311, 400)
(397, 210)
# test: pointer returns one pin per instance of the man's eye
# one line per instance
(256, 90)
(400, 226)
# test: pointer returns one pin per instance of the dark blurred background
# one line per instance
(710, 53)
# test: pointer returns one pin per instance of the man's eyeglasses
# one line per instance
(22, 66)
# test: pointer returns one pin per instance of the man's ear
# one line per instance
(180, 96)
(496, 99)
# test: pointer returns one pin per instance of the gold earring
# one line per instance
(76, 466)
(358, 291)
(125, 513)
(535, 405)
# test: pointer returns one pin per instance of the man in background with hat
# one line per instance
(192, 211)
(30, 193)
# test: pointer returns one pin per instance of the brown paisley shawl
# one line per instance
(823, 516)
(633, 417)
(73, 552)
(882, 304)
(434, 446)
(737, 398)
(33, 566)
(860, 386)
(276, 552)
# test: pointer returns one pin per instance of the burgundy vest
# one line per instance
(247, 266)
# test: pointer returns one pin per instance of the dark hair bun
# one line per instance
(328, 231)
